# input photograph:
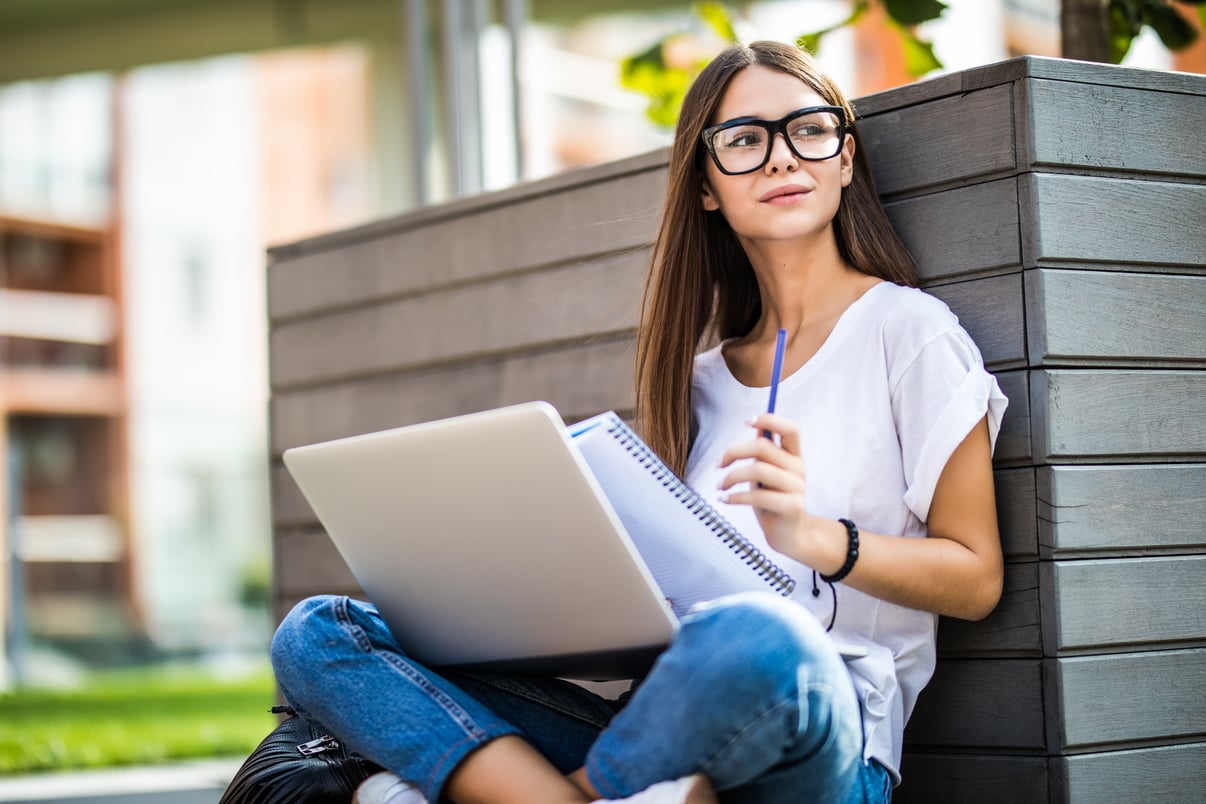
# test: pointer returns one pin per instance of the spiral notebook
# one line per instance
(694, 553)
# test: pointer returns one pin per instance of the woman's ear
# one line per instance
(847, 156)
(710, 204)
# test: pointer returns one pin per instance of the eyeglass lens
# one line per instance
(746, 147)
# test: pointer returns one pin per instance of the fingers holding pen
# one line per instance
(765, 484)
(764, 464)
(786, 429)
(785, 451)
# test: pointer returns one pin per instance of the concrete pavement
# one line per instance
(197, 782)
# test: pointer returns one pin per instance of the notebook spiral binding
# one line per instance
(767, 569)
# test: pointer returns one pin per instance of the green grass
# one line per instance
(133, 718)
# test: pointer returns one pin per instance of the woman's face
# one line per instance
(788, 197)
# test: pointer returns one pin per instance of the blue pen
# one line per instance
(776, 372)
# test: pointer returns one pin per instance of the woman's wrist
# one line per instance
(851, 553)
(827, 541)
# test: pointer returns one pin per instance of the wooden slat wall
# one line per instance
(1073, 256)
(1109, 250)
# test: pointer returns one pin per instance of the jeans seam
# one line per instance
(446, 703)
(438, 767)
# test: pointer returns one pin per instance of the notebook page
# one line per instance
(680, 543)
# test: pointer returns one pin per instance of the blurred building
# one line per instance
(151, 149)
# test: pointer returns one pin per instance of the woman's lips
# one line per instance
(787, 194)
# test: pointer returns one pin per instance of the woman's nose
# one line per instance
(781, 156)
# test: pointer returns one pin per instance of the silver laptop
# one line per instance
(486, 543)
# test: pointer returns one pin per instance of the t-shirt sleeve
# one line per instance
(936, 400)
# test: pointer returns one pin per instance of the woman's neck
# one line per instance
(804, 291)
(800, 287)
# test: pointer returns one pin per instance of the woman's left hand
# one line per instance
(777, 485)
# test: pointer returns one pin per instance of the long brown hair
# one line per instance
(699, 275)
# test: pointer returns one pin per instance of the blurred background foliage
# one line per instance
(1127, 18)
(664, 70)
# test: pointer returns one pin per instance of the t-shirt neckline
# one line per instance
(836, 335)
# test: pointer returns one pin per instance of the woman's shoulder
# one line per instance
(906, 312)
(909, 320)
(905, 304)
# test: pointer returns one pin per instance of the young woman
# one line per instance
(875, 484)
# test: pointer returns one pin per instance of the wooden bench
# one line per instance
(1058, 207)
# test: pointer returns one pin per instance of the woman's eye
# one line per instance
(744, 138)
(808, 130)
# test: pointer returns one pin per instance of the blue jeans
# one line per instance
(750, 693)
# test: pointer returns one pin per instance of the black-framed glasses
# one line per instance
(744, 144)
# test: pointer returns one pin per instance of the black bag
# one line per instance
(295, 764)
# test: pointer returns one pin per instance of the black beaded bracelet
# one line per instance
(851, 553)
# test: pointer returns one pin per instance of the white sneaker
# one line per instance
(387, 788)
(687, 790)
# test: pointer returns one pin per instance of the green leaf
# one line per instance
(664, 111)
(1124, 26)
(810, 42)
(1174, 31)
(664, 86)
(1134, 12)
(718, 19)
(914, 12)
(919, 54)
(636, 69)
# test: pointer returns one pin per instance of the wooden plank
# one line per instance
(579, 380)
(1083, 72)
(1027, 68)
(1017, 513)
(1118, 415)
(960, 778)
(307, 563)
(992, 312)
(577, 222)
(1095, 318)
(566, 181)
(289, 506)
(966, 230)
(942, 86)
(1120, 510)
(965, 706)
(949, 140)
(1011, 630)
(1098, 127)
(1083, 219)
(1160, 775)
(308, 415)
(560, 304)
(1126, 699)
(1013, 442)
(1119, 602)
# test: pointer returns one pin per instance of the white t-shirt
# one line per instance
(881, 406)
